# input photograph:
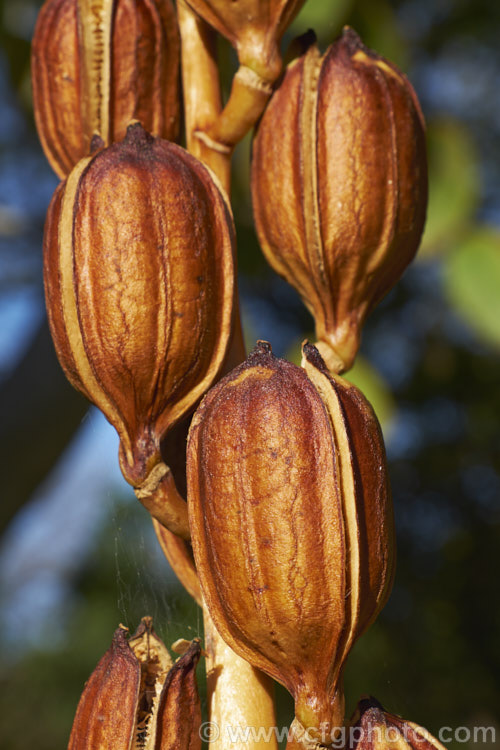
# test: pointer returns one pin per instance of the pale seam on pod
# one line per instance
(351, 171)
(134, 360)
(69, 304)
(95, 25)
(326, 492)
(343, 454)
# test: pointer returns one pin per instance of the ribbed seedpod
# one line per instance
(370, 728)
(136, 700)
(112, 691)
(139, 279)
(291, 522)
(254, 28)
(339, 186)
(373, 728)
(97, 65)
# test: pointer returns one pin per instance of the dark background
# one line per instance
(77, 554)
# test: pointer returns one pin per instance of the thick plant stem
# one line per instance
(180, 556)
(249, 96)
(160, 497)
(212, 132)
(202, 108)
(202, 99)
(240, 698)
(237, 694)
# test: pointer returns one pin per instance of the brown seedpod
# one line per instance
(136, 700)
(98, 64)
(112, 692)
(139, 280)
(373, 728)
(254, 28)
(339, 186)
(179, 712)
(291, 522)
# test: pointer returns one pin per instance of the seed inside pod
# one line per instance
(136, 700)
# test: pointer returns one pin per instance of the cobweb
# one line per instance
(145, 582)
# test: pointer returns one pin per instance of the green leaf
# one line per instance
(453, 185)
(473, 282)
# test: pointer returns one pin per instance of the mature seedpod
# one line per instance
(291, 522)
(136, 700)
(254, 28)
(372, 728)
(139, 279)
(96, 65)
(340, 196)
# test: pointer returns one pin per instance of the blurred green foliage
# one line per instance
(430, 366)
(473, 279)
(454, 185)
(124, 578)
